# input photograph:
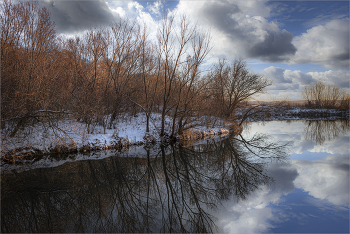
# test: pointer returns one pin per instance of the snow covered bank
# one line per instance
(73, 136)
(134, 151)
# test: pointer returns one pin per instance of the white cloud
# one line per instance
(255, 7)
(294, 81)
(298, 76)
(336, 142)
(325, 179)
(156, 7)
(250, 221)
(277, 74)
(338, 78)
(135, 5)
(286, 83)
(253, 215)
(120, 11)
(327, 45)
(240, 29)
(288, 77)
(132, 10)
(337, 145)
(334, 134)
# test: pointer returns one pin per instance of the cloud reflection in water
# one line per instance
(319, 183)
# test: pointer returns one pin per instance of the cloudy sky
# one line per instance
(294, 43)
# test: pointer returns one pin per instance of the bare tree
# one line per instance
(234, 83)
(190, 85)
(95, 50)
(150, 75)
(324, 96)
(344, 100)
(124, 58)
(182, 50)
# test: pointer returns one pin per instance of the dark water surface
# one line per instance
(280, 177)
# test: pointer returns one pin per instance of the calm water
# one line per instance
(276, 177)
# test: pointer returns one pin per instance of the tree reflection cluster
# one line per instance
(320, 131)
(160, 192)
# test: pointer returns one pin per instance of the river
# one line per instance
(276, 177)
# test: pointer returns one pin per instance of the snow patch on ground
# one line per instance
(128, 129)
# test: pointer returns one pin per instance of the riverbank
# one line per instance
(71, 136)
(269, 113)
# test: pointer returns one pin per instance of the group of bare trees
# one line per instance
(29, 57)
(326, 96)
(113, 70)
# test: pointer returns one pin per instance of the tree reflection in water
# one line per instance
(172, 189)
(320, 131)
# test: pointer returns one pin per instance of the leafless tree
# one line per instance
(234, 83)
(124, 59)
(182, 51)
(324, 96)
(191, 87)
(149, 71)
(344, 100)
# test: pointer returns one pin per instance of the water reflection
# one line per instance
(320, 131)
(162, 192)
(326, 179)
(311, 191)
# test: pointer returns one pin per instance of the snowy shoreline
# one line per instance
(71, 136)
(127, 131)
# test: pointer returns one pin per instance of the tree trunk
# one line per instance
(163, 122)
(147, 121)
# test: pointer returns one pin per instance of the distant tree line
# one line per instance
(113, 70)
(319, 95)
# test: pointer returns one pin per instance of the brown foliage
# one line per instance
(320, 95)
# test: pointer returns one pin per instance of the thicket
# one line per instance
(109, 71)
(319, 95)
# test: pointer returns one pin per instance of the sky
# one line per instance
(294, 43)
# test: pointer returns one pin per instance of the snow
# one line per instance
(127, 129)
